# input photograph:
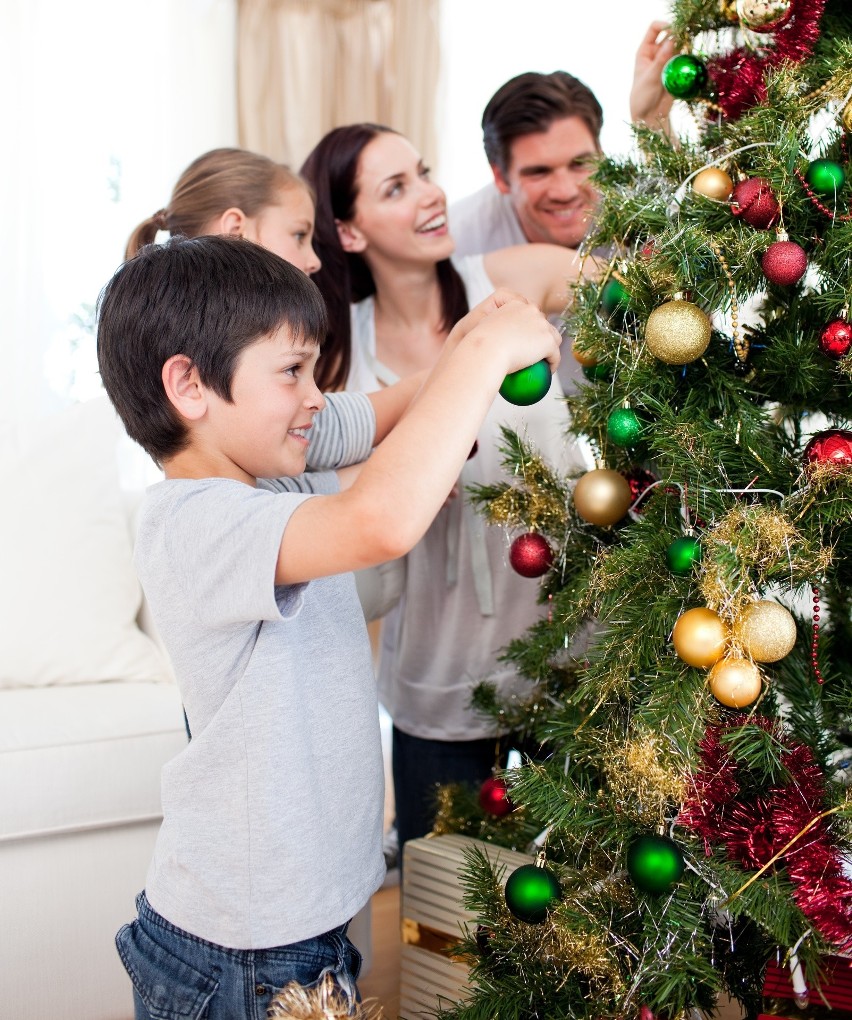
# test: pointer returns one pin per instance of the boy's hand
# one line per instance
(495, 300)
(517, 331)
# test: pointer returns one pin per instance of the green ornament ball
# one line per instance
(528, 385)
(624, 427)
(682, 555)
(598, 372)
(825, 176)
(615, 299)
(531, 892)
(684, 76)
(654, 863)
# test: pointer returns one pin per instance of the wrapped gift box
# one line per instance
(434, 918)
(833, 1001)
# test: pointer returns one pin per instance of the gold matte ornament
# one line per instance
(713, 182)
(588, 360)
(700, 637)
(766, 631)
(602, 496)
(735, 682)
(677, 332)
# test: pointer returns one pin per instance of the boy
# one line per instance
(271, 835)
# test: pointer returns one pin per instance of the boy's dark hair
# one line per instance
(531, 102)
(207, 298)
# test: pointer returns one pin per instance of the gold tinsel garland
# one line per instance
(644, 779)
(537, 502)
(324, 1002)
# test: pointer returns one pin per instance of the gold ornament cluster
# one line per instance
(764, 632)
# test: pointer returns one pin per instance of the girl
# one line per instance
(393, 293)
(232, 191)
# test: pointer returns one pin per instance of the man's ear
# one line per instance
(500, 180)
(350, 237)
(232, 222)
(184, 388)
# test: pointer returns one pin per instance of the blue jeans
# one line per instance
(177, 976)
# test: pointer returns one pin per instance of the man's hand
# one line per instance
(650, 103)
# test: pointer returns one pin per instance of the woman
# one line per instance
(393, 293)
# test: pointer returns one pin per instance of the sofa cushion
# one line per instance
(86, 755)
(69, 595)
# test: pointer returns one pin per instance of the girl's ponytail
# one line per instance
(146, 232)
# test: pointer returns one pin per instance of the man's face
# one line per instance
(547, 180)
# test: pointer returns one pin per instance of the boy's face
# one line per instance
(263, 432)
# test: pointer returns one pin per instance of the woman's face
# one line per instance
(400, 215)
(286, 227)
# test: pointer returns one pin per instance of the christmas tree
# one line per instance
(693, 675)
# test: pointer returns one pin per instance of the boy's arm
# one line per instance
(344, 432)
(400, 489)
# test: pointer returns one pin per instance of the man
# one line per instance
(541, 134)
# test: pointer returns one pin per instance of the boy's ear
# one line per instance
(500, 180)
(232, 222)
(351, 238)
(183, 387)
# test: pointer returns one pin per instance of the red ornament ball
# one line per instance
(530, 555)
(784, 263)
(832, 447)
(754, 203)
(836, 339)
(494, 797)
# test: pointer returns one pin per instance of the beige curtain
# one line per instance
(306, 66)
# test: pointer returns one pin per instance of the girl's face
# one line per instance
(399, 213)
(286, 228)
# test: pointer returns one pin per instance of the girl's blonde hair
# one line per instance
(220, 179)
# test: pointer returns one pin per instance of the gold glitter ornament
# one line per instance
(735, 682)
(602, 496)
(846, 117)
(728, 9)
(763, 15)
(677, 332)
(700, 636)
(713, 182)
(766, 631)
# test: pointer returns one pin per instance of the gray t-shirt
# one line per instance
(272, 815)
(484, 221)
(342, 433)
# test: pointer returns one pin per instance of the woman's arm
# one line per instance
(543, 273)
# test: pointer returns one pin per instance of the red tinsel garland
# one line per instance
(753, 830)
(739, 77)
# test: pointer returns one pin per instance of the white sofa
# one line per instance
(88, 715)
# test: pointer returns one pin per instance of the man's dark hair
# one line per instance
(207, 298)
(531, 102)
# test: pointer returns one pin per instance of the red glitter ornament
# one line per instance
(754, 202)
(836, 339)
(832, 447)
(784, 263)
(530, 555)
(494, 797)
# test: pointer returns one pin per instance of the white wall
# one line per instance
(104, 104)
(486, 42)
